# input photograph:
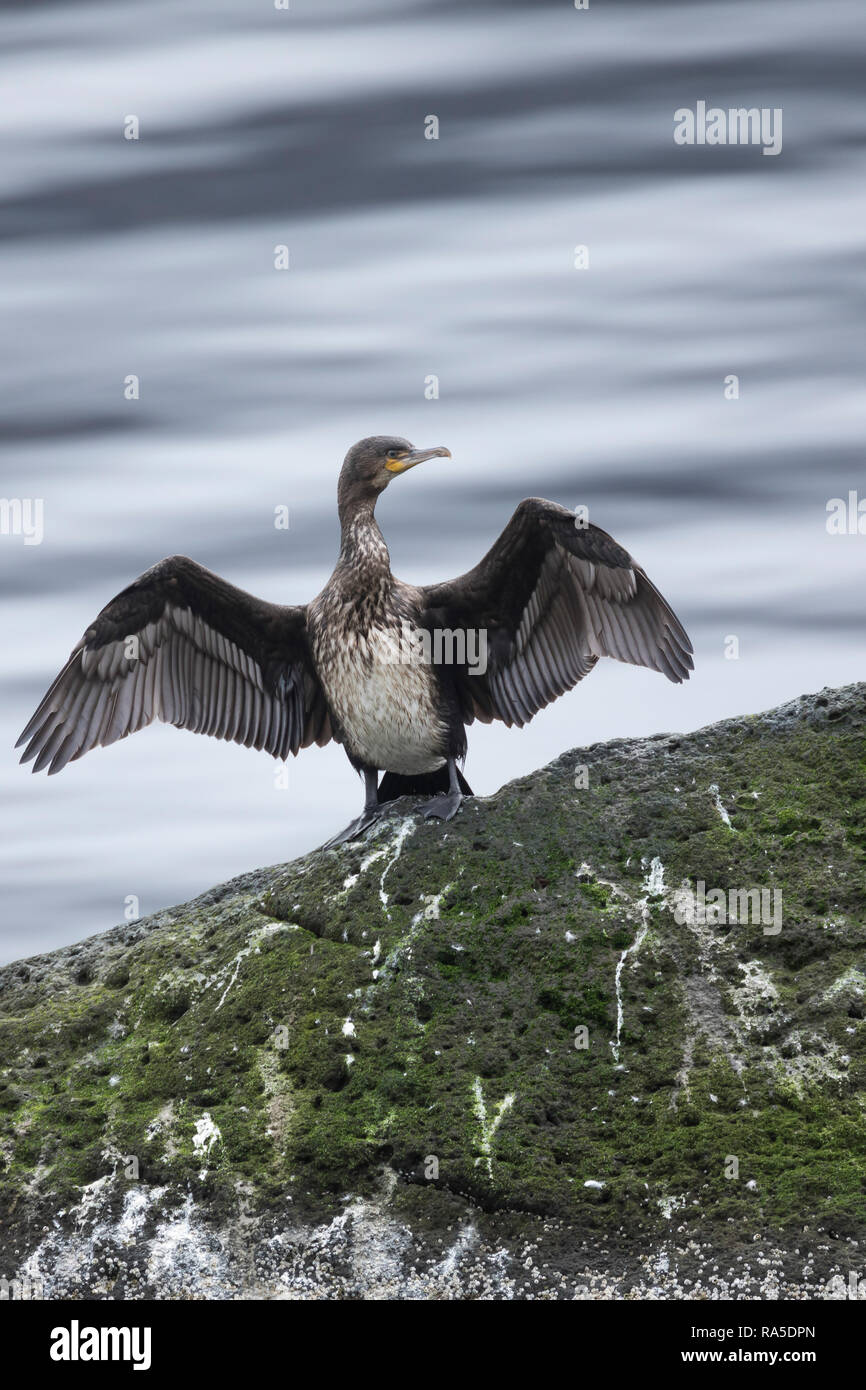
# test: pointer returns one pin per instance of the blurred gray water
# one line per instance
(412, 257)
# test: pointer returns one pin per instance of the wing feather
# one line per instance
(553, 598)
(208, 657)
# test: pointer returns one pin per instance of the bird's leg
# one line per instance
(371, 812)
(446, 805)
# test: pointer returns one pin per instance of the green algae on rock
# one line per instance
(394, 1068)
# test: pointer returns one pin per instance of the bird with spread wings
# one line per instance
(184, 646)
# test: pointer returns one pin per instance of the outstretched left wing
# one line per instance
(552, 598)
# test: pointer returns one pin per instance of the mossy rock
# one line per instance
(518, 1021)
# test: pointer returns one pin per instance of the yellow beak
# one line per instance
(413, 456)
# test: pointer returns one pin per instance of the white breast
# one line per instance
(388, 711)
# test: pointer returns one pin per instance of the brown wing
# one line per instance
(552, 598)
(183, 646)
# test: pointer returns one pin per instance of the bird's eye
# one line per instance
(394, 453)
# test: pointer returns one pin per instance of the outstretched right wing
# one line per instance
(183, 646)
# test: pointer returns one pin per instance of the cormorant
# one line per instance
(362, 662)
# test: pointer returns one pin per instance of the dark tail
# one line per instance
(395, 784)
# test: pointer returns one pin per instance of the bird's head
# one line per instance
(370, 464)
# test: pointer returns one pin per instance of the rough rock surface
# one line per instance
(363, 1074)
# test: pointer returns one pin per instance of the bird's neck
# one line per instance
(362, 544)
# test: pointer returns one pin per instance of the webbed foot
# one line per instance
(444, 806)
(355, 827)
